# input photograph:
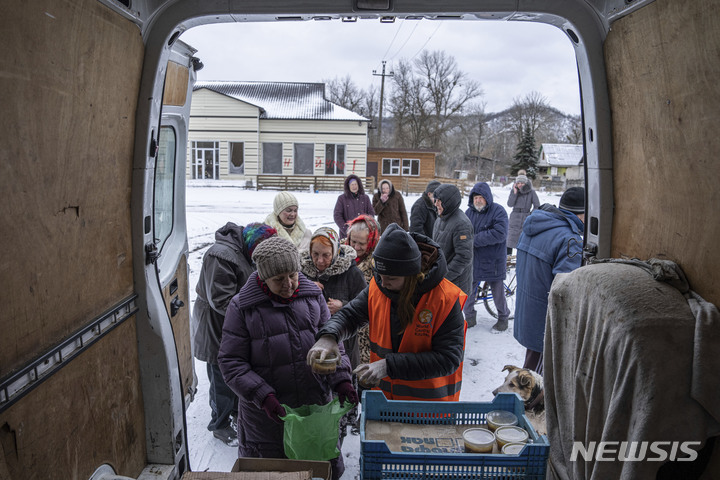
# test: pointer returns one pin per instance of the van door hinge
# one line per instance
(589, 253)
(151, 253)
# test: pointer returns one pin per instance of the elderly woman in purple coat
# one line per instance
(269, 327)
(353, 202)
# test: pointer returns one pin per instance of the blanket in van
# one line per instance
(631, 355)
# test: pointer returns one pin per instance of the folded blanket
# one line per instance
(626, 360)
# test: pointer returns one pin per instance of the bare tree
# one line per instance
(448, 91)
(408, 106)
(531, 111)
(344, 92)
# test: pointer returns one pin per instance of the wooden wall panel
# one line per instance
(88, 413)
(69, 85)
(663, 68)
(181, 324)
(176, 84)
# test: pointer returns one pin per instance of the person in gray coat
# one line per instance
(454, 233)
(523, 200)
(226, 267)
(423, 213)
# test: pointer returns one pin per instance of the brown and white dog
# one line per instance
(529, 385)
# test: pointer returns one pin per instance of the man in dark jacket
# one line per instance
(353, 202)
(423, 213)
(225, 269)
(454, 233)
(490, 222)
(550, 243)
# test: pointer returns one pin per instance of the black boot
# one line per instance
(471, 321)
(501, 325)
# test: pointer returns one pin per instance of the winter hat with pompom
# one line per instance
(254, 233)
(282, 201)
(521, 179)
(275, 256)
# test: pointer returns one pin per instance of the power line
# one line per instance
(393, 40)
(406, 41)
(428, 40)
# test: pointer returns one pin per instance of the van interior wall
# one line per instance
(87, 414)
(663, 67)
(69, 85)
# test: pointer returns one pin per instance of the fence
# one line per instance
(417, 185)
(304, 183)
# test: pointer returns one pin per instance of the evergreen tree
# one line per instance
(526, 156)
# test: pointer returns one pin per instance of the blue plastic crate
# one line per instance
(378, 462)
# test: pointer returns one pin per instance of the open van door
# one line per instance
(170, 232)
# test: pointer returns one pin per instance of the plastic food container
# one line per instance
(512, 448)
(325, 367)
(501, 418)
(505, 435)
(478, 440)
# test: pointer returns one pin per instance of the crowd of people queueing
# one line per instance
(391, 297)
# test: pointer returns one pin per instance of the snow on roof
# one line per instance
(284, 100)
(561, 154)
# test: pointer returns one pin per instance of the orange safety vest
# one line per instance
(430, 313)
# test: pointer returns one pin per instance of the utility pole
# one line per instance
(382, 95)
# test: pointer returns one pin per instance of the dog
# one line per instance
(529, 385)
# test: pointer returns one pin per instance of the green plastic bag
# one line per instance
(311, 431)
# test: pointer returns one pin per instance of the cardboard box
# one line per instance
(305, 475)
(282, 465)
(419, 438)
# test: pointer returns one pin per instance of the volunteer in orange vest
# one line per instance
(417, 329)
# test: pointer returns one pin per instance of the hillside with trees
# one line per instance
(430, 103)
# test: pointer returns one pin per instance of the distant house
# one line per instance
(561, 164)
(409, 170)
(239, 130)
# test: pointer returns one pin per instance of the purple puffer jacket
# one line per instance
(349, 206)
(263, 350)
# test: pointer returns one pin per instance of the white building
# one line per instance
(561, 164)
(239, 130)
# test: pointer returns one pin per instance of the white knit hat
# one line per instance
(274, 256)
(282, 201)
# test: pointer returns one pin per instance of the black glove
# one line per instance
(273, 408)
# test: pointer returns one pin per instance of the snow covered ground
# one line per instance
(211, 205)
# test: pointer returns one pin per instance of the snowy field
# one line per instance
(211, 205)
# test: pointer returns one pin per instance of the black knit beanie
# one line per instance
(396, 253)
(573, 200)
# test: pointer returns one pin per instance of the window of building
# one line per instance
(303, 158)
(205, 160)
(334, 159)
(390, 166)
(237, 157)
(272, 158)
(411, 167)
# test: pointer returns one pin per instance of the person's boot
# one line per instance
(227, 435)
(471, 321)
(501, 325)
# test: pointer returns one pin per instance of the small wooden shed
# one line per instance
(408, 169)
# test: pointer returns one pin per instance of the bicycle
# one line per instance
(484, 292)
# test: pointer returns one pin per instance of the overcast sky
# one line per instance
(509, 59)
